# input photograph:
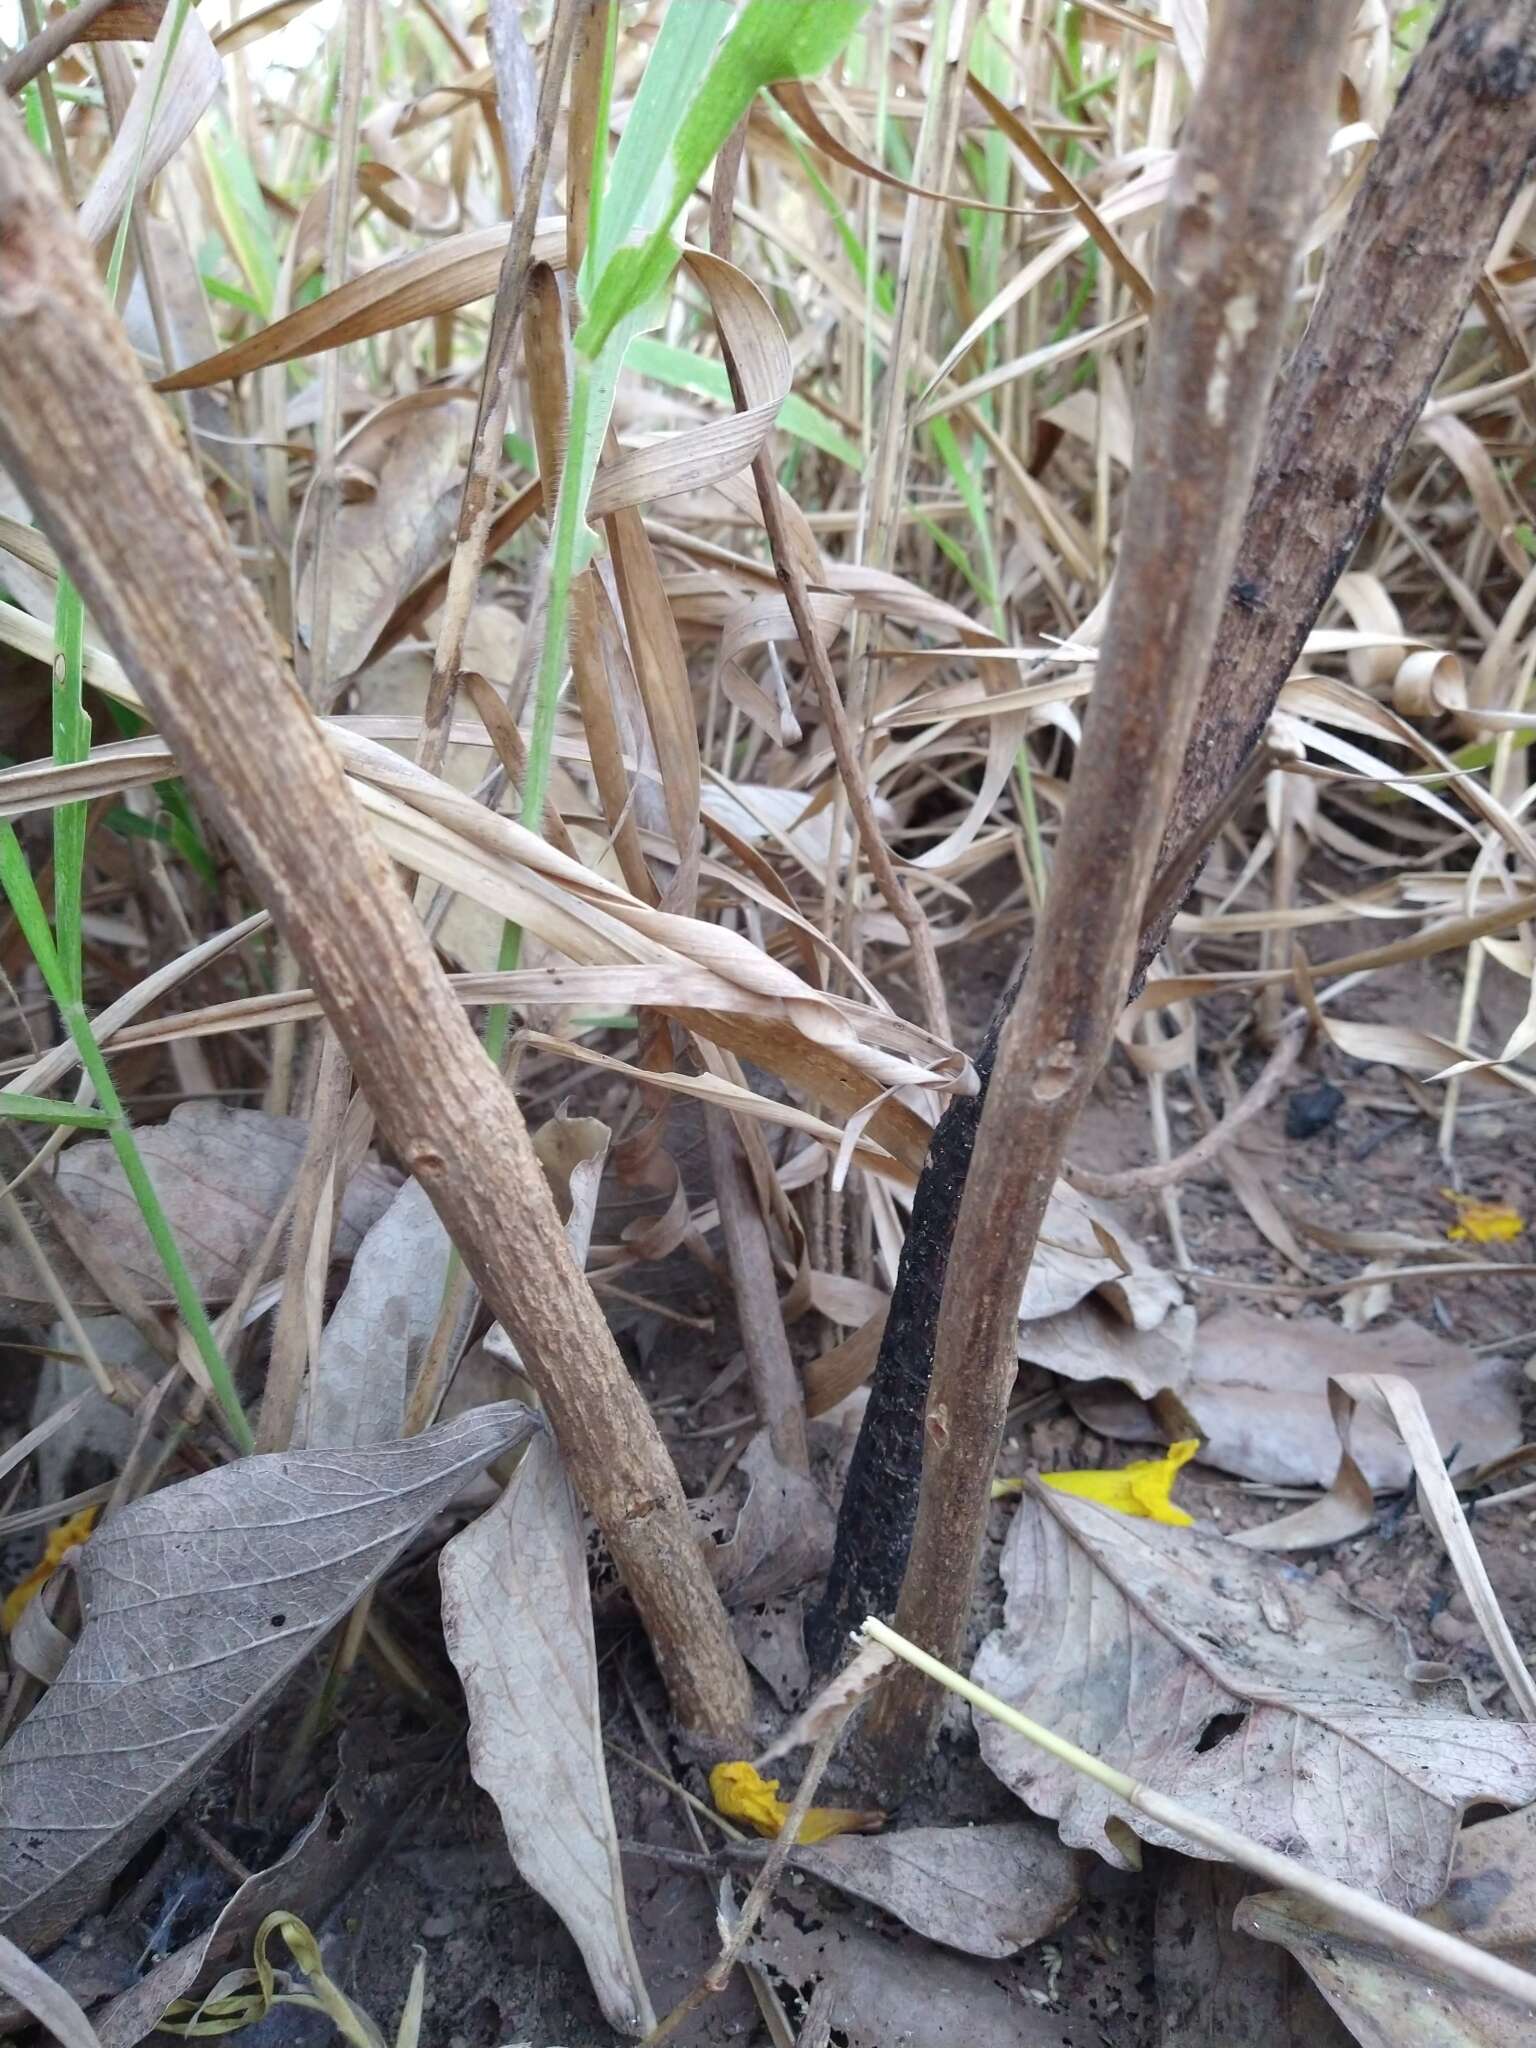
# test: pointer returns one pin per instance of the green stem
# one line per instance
(30, 915)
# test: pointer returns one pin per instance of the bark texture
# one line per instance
(1454, 154)
(95, 456)
(1231, 232)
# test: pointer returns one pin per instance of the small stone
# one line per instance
(439, 1925)
(1451, 1629)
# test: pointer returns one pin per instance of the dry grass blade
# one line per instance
(434, 280)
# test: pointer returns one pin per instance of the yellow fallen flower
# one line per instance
(1144, 1489)
(741, 1794)
(1483, 1222)
(61, 1538)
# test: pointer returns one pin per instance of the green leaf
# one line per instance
(16, 880)
(772, 40)
(71, 743)
(242, 213)
(639, 184)
(38, 1109)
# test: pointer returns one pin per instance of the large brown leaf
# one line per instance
(1240, 1686)
(198, 1602)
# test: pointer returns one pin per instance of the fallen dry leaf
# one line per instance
(771, 1636)
(1218, 1988)
(221, 1175)
(779, 1538)
(1388, 2001)
(1089, 1342)
(887, 1990)
(517, 1617)
(1084, 1249)
(987, 1890)
(1257, 1392)
(377, 1332)
(1241, 1687)
(198, 1602)
(401, 480)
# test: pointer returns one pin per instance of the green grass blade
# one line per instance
(71, 743)
(16, 879)
(38, 1109)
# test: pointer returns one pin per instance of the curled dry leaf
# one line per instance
(1388, 2000)
(400, 477)
(779, 1538)
(1389, 1399)
(1239, 1686)
(198, 1602)
(1257, 1392)
(173, 90)
(1085, 1249)
(221, 1175)
(986, 1890)
(517, 1617)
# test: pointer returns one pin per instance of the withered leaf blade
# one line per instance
(198, 1602)
(1240, 1686)
(518, 1621)
(1256, 1389)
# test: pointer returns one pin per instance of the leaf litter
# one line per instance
(1243, 1688)
(777, 979)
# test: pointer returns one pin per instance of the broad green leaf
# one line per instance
(772, 40)
(639, 183)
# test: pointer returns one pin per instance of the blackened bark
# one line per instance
(1455, 152)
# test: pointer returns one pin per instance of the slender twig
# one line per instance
(1167, 1173)
(476, 505)
(715, 1978)
(776, 1388)
(1241, 199)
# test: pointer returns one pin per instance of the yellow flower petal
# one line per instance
(741, 1794)
(1145, 1488)
(60, 1538)
(1483, 1222)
